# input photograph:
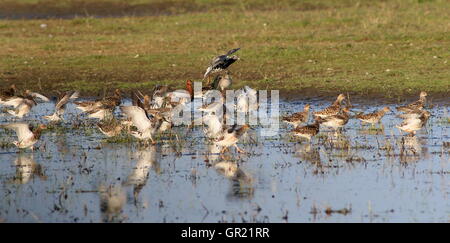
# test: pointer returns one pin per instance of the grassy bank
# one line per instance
(361, 47)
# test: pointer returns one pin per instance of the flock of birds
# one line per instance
(152, 113)
(336, 116)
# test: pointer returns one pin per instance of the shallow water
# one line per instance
(364, 175)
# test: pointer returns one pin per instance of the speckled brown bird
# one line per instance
(417, 105)
(93, 106)
(22, 105)
(374, 117)
(60, 106)
(332, 110)
(110, 128)
(298, 117)
(336, 121)
(307, 131)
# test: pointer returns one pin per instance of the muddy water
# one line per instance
(363, 175)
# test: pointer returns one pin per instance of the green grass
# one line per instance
(313, 47)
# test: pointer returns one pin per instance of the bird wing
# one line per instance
(14, 102)
(22, 130)
(408, 116)
(39, 96)
(138, 117)
(65, 99)
(180, 96)
(75, 95)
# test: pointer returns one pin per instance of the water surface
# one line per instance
(363, 175)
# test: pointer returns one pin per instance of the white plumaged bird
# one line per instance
(25, 137)
(146, 127)
(60, 106)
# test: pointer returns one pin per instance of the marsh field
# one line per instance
(377, 53)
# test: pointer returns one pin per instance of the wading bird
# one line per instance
(417, 105)
(25, 137)
(146, 127)
(95, 106)
(60, 105)
(307, 131)
(22, 105)
(231, 137)
(336, 121)
(298, 117)
(374, 117)
(221, 63)
(412, 125)
(332, 110)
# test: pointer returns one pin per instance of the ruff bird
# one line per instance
(332, 110)
(146, 127)
(412, 125)
(22, 105)
(299, 117)
(231, 137)
(181, 96)
(335, 121)
(214, 127)
(96, 105)
(307, 131)
(111, 128)
(417, 105)
(374, 117)
(105, 112)
(222, 82)
(25, 137)
(60, 105)
(36, 96)
(221, 63)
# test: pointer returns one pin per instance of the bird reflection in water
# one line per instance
(411, 149)
(241, 182)
(308, 153)
(213, 153)
(337, 141)
(147, 159)
(26, 169)
(112, 201)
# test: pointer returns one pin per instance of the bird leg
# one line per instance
(239, 149)
(223, 150)
(381, 126)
